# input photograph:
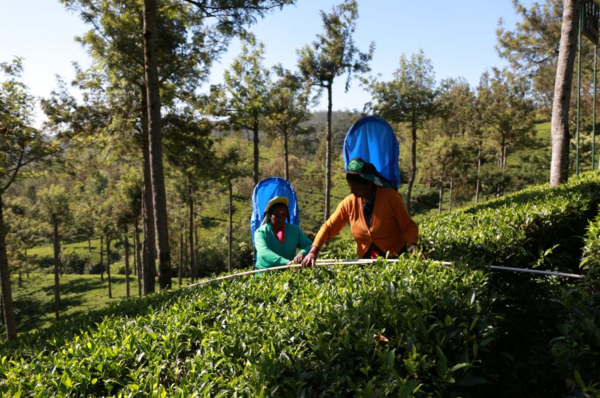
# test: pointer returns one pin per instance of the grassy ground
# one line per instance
(33, 296)
(80, 246)
(80, 253)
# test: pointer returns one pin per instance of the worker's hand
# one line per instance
(414, 250)
(309, 260)
(298, 259)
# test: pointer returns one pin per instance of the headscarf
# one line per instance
(271, 203)
(367, 171)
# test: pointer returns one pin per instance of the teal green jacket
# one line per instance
(270, 252)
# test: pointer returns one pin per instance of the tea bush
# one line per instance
(410, 329)
(414, 328)
(590, 262)
(538, 227)
(577, 348)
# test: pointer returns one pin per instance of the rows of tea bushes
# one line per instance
(542, 228)
(411, 329)
(415, 328)
(590, 262)
(539, 227)
(577, 348)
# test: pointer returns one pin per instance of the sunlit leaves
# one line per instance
(295, 333)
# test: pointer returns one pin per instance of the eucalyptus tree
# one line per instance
(21, 231)
(479, 132)
(333, 54)
(189, 145)
(408, 98)
(246, 88)
(20, 146)
(290, 101)
(128, 209)
(509, 111)
(92, 130)
(543, 45)
(132, 39)
(559, 166)
(443, 158)
(54, 205)
(109, 228)
(532, 46)
(185, 51)
(230, 168)
(446, 155)
(230, 19)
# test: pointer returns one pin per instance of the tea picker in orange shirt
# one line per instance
(378, 218)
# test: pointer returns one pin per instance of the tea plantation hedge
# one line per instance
(540, 226)
(415, 328)
(590, 262)
(410, 328)
(577, 348)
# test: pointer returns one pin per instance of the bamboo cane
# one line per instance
(330, 262)
(528, 270)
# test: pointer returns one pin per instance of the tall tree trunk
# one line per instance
(56, 240)
(135, 266)
(441, 197)
(230, 229)
(149, 243)
(413, 161)
(138, 256)
(255, 172)
(108, 266)
(155, 139)
(286, 157)
(451, 190)
(328, 152)
(502, 155)
(186, 259)
(102, 258)
(7, 301)
(559, 166)
(26, 256)
(478, 184)
(196, 250)
(126, 244)
(179, 271)
(191, 231)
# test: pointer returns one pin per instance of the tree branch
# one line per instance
(15, 171)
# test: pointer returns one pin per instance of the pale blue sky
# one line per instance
(458, 36)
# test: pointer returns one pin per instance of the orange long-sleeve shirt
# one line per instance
(391, 226)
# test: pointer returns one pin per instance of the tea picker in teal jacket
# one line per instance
(276, 240)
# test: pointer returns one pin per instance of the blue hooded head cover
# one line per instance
(372, 139)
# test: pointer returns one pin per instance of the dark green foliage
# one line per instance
(539, 226)
(577, 348)
(590, 262)
(402, 330)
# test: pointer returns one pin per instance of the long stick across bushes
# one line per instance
(327, 262)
